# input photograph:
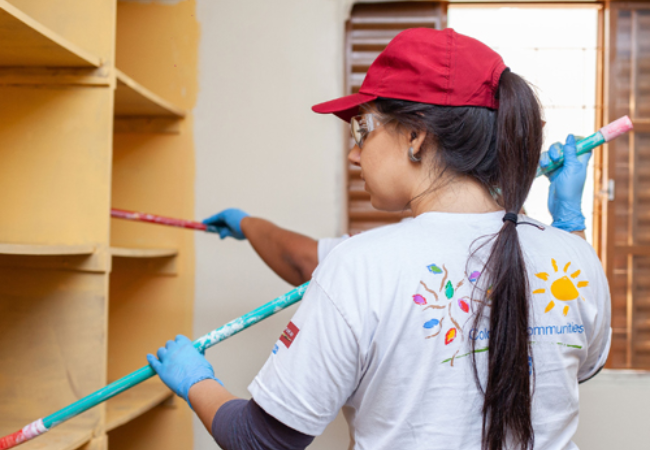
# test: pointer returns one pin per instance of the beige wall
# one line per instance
(614, 411)
(260, 148)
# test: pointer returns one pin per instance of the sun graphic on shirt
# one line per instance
(564, 289)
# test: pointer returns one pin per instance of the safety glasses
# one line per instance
(361, 126)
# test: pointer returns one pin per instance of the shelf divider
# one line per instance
(45, 250)
(122, 252)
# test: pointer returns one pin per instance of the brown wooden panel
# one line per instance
(641, 312)
(642, 188)
(370, 28)
(627, 223)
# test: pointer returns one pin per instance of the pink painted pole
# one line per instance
(152, 218)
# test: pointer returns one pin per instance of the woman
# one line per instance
(468, 326)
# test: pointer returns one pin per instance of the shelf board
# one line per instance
(133, 99)
(122, 252)
(28, 43)
(68, 436)
(46, 250)
(135, 402)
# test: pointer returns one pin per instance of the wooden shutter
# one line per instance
(626, 183)
(370, 28)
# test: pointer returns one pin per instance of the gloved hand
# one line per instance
(180, 366)
(567, 184)
(227, 223)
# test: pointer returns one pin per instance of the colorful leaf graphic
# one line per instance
(431, 323)
(450, 336)
(449, 290)
(462, 304)
(417, 298)
(474, 276)
(434, 269)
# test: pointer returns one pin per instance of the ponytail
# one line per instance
(499, 149)
(508, 391)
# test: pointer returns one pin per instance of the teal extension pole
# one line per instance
(605, 134)
(214, 337)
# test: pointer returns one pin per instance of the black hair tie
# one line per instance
(512, 217)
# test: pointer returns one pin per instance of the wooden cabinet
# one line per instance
(94, 112)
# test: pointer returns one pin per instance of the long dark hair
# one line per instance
(499, 149)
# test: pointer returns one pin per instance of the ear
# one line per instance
(416, 139)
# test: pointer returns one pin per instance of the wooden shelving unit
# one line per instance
(120, 252)
(138, 110)
(133, 99)
(45, 250)
(26, 42)
(84, 298)
(135, 402)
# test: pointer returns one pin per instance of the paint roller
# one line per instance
(233, 327)
(605, 134)
(152, 218)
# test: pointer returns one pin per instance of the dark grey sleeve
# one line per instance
(243, 425)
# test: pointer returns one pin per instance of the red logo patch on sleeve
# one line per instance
(289, 334)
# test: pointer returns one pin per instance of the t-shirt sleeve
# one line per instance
(326, 245)
(601, 337)
(314, 367)
(242, 425)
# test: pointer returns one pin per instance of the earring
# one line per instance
(412, 157)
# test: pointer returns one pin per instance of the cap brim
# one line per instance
(345, 107)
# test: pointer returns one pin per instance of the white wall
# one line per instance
(614, 411)
(259, 147)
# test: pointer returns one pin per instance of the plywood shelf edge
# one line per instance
(27, 42)
(45, 250)
(123, 252)
(135, 402)
(134, 100)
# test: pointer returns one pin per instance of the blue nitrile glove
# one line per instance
(567, 184)
(227, 223)
(180, 366)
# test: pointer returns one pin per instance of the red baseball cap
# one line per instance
(439, 67)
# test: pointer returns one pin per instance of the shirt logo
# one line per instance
(289, 334)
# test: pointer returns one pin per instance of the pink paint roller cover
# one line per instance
(152, 218)
(605, 134)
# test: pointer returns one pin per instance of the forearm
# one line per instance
(206, 397)
(580, 233)
(291, 255)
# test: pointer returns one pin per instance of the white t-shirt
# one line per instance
(326, 245)
(384, 329)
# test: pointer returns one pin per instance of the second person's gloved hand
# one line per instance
(227, 223)
(180, 365)
(567, 184)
